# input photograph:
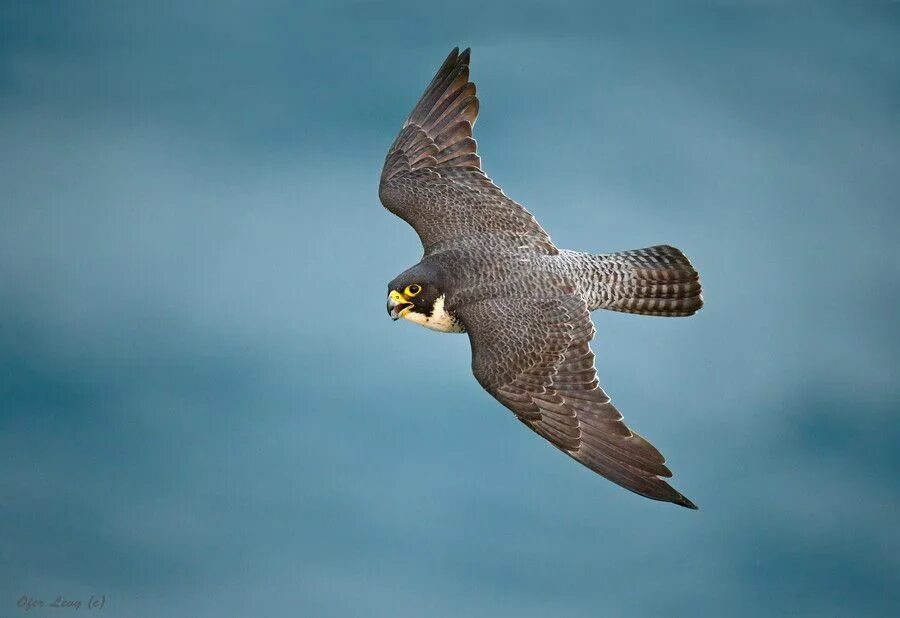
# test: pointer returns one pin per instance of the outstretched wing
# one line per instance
(534, 356)
(432, 176)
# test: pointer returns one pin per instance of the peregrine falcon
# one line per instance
(491, 271)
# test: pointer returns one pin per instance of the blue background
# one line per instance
(207, 412)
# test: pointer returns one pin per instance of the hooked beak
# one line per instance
(397, 305)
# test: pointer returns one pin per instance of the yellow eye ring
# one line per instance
(412, 290)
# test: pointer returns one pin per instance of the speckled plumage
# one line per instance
(524, 303)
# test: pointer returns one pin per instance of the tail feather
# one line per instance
(657, 280)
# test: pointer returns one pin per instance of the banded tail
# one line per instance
(653, 281)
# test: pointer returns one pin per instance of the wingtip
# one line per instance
(451, 58)
(682, 501)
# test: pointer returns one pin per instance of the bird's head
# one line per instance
(413, 294)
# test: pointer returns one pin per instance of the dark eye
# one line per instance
(412, 290)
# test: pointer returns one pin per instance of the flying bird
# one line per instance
(491, 271)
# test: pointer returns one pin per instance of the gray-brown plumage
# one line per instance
(489, 269)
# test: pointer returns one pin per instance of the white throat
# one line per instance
(439, 319)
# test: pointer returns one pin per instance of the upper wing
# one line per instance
(534, 356)
(432, 176)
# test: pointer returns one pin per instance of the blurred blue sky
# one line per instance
(204, 410)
